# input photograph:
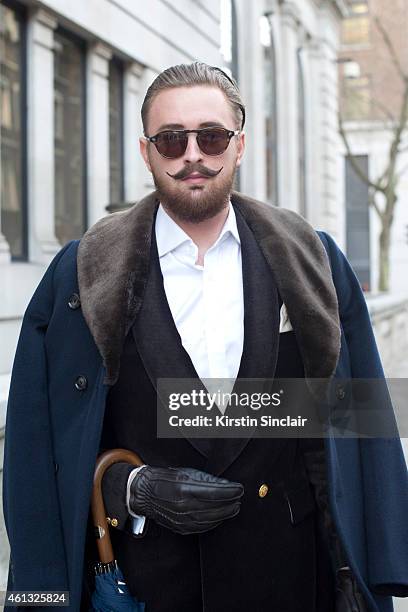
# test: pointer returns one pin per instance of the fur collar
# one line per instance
(113, 265)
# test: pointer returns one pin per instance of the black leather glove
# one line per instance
(348, 597)
(184, 500)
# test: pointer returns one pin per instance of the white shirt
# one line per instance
(206, 303)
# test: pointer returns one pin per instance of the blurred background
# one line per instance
(325, 83)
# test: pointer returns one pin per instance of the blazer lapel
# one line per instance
(113, 265)
(261, 309)
(261, 339)
(158, 341)
(163, 355)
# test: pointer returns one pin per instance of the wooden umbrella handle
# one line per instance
(104, 461)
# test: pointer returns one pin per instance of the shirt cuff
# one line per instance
(138, 524)
(139, 520)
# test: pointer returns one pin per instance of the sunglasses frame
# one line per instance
(230, 134)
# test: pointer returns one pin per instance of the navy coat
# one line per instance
(68, 356)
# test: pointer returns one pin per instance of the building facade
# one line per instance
(72, 79)
(73, 76)
(372, 92)
(289, 83)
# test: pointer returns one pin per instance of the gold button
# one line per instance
(263, 489)
(114, 522)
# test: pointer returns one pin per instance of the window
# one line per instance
(69, 118)
(116, 132)
(356, 28)
(358, 220)
(13, 149)
(357, 103)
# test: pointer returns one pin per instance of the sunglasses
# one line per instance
(173, 144)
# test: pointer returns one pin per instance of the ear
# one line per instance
(240, 147)
(143, 146)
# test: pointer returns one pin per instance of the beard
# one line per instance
(195, 203)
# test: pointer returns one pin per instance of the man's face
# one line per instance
(189, 108)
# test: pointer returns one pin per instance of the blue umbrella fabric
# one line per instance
(112, 594)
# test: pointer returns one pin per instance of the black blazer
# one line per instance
(266, 558)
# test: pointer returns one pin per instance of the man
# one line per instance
(197, 281)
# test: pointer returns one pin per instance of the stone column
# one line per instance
(98, 131)
(133, 97)
(145, 179)
(251, 79)
(40, 107)
(272, 14)
(310, 56)
(331, 210)
(289, 137)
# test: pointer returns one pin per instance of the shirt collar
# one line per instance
(169, 235)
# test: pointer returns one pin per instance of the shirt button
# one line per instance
(74, 301)
(81, 383)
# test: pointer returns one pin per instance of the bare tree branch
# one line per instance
(401, 172)
(356, 167)
(382, 179)
(387, 182)
(385, 110)
(345, 93)
(374, 204)
(405, 148)
(391, 49)
(394, 148)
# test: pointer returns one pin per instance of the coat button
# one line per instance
(81, 383)
(74, 301)
(263, 490)
(341, 392)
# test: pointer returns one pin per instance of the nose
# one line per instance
(193, 153)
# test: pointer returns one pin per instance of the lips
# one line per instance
(194, 176)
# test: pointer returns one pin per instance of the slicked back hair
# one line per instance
(188, 75)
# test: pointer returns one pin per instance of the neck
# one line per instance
(205, 233)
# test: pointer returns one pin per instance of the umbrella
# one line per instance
(111, 592)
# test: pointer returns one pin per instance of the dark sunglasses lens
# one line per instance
(171, 144)
(213, 142)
